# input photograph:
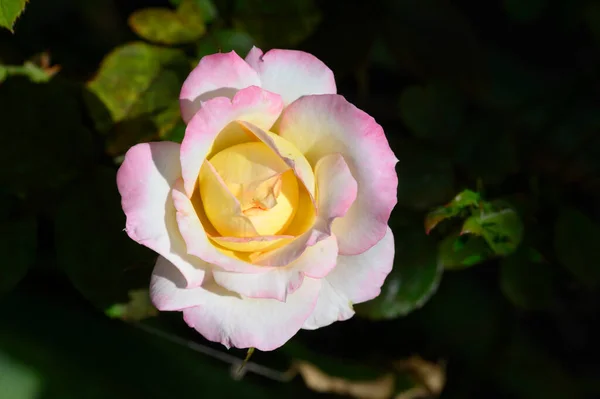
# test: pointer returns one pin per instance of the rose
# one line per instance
(272, 214)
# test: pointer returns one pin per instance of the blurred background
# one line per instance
(492, 108)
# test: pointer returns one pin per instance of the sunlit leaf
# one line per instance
(465, 200)
(502, 229)
(10, 11)
(576, 240)
(166, 26)
(415, 277)
(138, 87)
(208, 11)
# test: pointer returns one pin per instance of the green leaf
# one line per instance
(465, 200)
(137, 88)
(527, 284)
(18, 247)
(415, 277)
(99, 258)
(426, 177)
(10, 11)
(502, 229)
(460, 252)
(432, 112)
(45, 142)
(276, 24)
(165, 26)
(224, 41)
(208, 11)
(576, 240)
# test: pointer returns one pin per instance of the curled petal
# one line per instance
(337, 187)
(251, 104)
(291, 73)
(144, 181)
(360, 277)
(168, 289)
(216, 75)
(323, 124)
(241, 322)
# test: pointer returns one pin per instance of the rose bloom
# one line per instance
(271, 216)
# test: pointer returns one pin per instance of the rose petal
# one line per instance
(287, 152)
(360, 277)
(324, 124)
(216, 75)
(337, 187)
(264, 324)
(331, 307)
(259, 107)
(144, 181)
(317, 261)
(291, 73)
(168, 289)
(197, 241)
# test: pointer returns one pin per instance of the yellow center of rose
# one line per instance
(265, 188)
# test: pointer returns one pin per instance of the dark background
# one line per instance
(497, 97)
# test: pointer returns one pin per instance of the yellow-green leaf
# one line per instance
(10, 11)
(166, 26)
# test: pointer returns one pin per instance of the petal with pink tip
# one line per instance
(264, 324)
(259, 107)
(331, 307)
(360, 277)
(168, 290)
(216, 75)
(291, 73)
(316, 262)
(324, 124)
(144, 181)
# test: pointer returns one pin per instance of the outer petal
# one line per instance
(291, 73)
(144, 180)
(216, 75)
(168, 289)
(316, 262)
(320, 125)
(331, 307)
(360, 277)
(265, 324)
(252, 104)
